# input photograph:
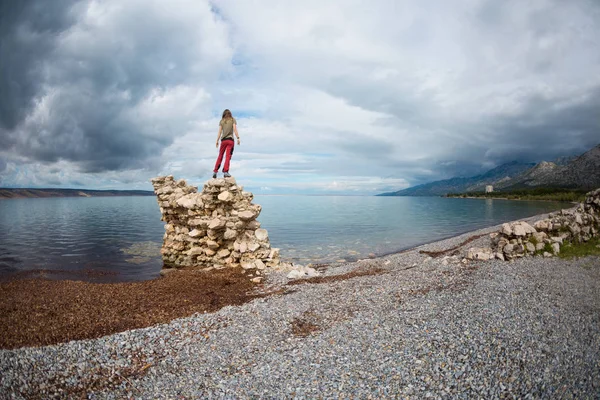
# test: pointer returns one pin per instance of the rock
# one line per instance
(223, 253)
(539, 246)
(225, 196)
(519, 230)
(253, 246)
(546, 254)
(476, 253)
(555, 248)
(540, 236)
(507, 230)
(501, 243)
(192, 200)
(295, 274)
(199, 222)
(258, 264)
(209, 252)
(575, 229)
(258, 279)
(530, 247)
(216, 224)
(253, 225)
(247, 215)
(229, 234)
(261, 234)
(247, 265)
(542, 225)
(195, 233)
(528, 228)
(274, 253)
(216, 182)
(273, 263)
(196, 251)
(212, 244)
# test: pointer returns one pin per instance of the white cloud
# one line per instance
(328, 95)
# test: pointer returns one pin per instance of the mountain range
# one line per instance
(582, 172)
(19, 193)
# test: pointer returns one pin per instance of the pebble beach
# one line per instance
(407, 325)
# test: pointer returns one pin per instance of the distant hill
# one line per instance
(10, 193)
(581, 173)
(501, 173)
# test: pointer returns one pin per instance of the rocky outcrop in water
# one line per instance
(545, 237)
(216, 228)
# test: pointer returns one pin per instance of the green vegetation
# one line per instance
(550, 194)
(590, 248)
(547, 249)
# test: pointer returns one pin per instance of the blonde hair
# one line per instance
(226, 115)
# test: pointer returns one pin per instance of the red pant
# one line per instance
(227, 149)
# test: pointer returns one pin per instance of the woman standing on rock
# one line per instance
(227, 127)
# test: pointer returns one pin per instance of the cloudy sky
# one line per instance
(346, 96)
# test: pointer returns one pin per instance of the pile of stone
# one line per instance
(545, 237)
(214, 229)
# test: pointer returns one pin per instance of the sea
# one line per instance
(118, 239)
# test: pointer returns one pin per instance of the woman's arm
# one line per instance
(219, 135)
(236, 132)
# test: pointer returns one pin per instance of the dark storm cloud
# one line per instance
(27, 36)
(75, 77)
(548, 128)
(366, 146)
(91, 132)
(543, 130)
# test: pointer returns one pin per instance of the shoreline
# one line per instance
(401, 325)
(505, 198)
(14, 307)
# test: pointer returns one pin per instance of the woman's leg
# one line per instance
(228, 154)
(220, 158)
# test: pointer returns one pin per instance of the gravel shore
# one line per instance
(406, 325)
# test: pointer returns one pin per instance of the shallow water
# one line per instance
(120, 237)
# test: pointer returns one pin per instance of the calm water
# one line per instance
(121, 236)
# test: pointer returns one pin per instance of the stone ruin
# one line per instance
(215, 229)
(546, 236)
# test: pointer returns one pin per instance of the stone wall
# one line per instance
(545, 237)
(216, 228)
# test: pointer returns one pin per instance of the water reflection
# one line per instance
(120, 237)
